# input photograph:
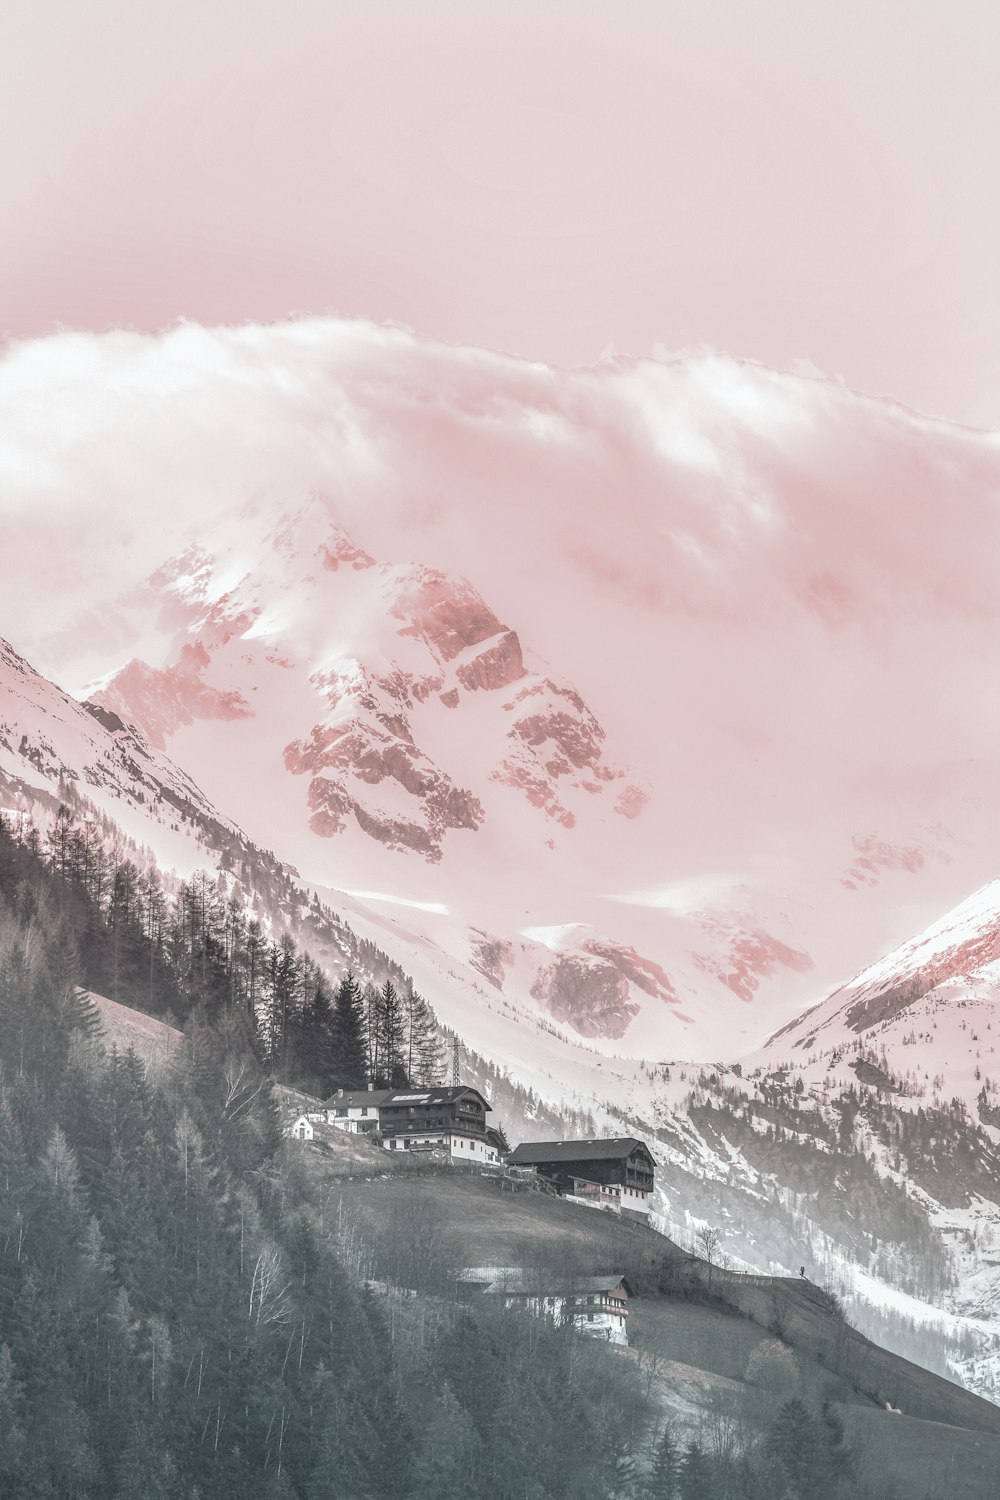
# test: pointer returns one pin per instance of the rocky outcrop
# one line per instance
(366, 744)
(339, 551)
(491, 957)
(874, 856)
(556, 748)
(448, 614)
(591, 989)
(748, 957)
(497, 666)
(160, 701)
(593, 997)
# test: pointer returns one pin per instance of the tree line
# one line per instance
(198, 948)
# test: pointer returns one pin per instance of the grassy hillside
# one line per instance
(706, 1344)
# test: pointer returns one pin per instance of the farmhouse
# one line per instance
(614, 1174)
(356, 1110)
(449, 1119)
(597, 1305)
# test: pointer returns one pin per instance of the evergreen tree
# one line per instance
(424, 1060)
(661, 1483)
(391, 1039)
(350, 1061)
(450, 1448)
(695, 1477)
(796, 1441)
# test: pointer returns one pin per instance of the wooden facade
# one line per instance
(617, 1173)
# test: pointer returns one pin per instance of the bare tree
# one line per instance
(268, 1303)
(707, 1242)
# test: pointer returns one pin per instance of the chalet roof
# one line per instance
(515, 1281)
(615, 1149)
(449, 1095)
(486, 1275)
(357, 1098)
(601, 1284)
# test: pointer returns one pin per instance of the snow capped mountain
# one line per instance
(381, 725)
(381, 656)
(678, 658)
(925, 1010)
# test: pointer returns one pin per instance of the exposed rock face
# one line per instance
(161, 701)
(366, 742)
(556, 745)
(491, 957)
(591, 989)
(497, 666)
(643, 972)
(874, 1076)
(340, 551)
(593, 997)
(630, 801)
(446, 613)
(874, 856)
(751, 956)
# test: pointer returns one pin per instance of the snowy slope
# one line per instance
(911, 1049)
(924, 1012)
(53, 748)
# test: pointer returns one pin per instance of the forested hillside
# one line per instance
(182, 1311)
(175, 1320)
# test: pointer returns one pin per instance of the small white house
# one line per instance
(302, 1129)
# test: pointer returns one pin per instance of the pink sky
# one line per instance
(781, 180)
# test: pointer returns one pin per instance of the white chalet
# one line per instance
(596, 1305)
(355, 1110)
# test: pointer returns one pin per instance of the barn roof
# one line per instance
(516, 1281)
(615, 1149)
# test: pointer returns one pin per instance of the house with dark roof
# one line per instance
(450, 1121)
(597, 1305)
(356, 1110)
(614, 1174)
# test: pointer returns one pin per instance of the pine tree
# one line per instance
(391, 1063)
(662, 1481)
(424, 1061)
(796, 1442)
(695, 1479)
(350, 1061)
